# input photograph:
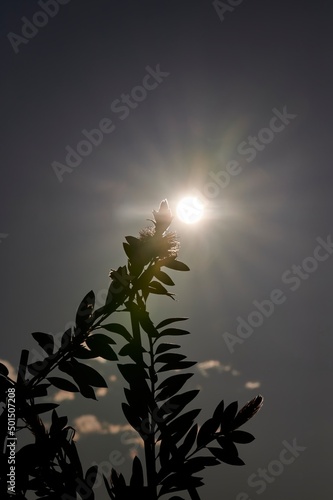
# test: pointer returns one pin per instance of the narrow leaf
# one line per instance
(39, 391)
(162, 276)
(101, 339)
(117, 328)
(172, 385)
(133, 350)
(58, 423)
(225, 457)
(228, 417)
(176, 404)
(147, 324)
(137, 474)
(181, 365)
(37, 367)
(45, 340)
(131, 417)
(168, 321)
(166, 347)
(99, 344)
(84, 374)
(189, 440)
(172, 263)
(108, 353)
(136, 401)
(218, 413)
(248, 411)
(181, 431)
(108, 488)
(3, 370)
(91, 475)
(133, 241)
(241, 437)
(182, 421)
(227, 445)
(85, 309)
(63, 384)
(132, 373)
(44, 407)
(23, 366)
(164, 453)
(84, 353)
(87, 391)
(173, 331)
(170, 358)
(66, 367)
(128, 250)
(156, 287)
(66, 338)
(207, 431)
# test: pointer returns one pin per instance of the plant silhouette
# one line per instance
(175, 447)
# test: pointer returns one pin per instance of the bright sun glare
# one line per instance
(190, 210)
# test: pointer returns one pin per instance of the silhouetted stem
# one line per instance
(152, 375)
(193, 494)
(149, 442)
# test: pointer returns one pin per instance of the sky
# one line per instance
(226, 101)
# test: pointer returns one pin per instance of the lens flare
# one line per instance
(190, 210)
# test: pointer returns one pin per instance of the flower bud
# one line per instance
(163, 217)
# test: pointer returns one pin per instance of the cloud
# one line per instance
(252, 384)
(117, 428)
(12, 372)
(100, 360)
(101, 391)
(90, 424)
(62, 396)
(214, 364)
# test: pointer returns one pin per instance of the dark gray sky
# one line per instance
(246, 90)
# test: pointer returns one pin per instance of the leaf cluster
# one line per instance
(176, 448)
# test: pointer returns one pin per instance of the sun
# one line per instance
(190, 210)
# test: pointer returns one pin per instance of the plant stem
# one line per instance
(152, 375)
(193, 494)
(149, 442)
